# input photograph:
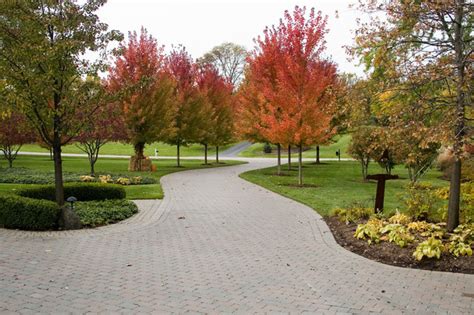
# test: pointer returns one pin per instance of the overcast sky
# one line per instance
(200, 25)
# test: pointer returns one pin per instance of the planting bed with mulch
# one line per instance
(391, 254)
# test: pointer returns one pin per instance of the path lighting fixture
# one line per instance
(72, 200)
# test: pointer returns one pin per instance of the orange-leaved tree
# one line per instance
(297, 85)
(146, 88)
(217, 96)
(257, 96)
(192, 114)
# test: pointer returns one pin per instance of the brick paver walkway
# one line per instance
(239, 248)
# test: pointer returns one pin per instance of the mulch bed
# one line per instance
(391, 254)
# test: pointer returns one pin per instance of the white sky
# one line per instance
(200, 25)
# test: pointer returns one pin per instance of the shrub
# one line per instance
(82, 191)
(28, 214)
(96, 213)
(123, 181)
(267, 148)
(105, 179)
(467, 200)
(420, 201)
(353, 214)
(445, 163)
(87, 179)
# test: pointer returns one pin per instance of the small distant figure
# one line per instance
(156, 152)
(338, 154)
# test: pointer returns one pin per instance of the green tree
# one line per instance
(229, 60)
(425, 43)
(42, 58)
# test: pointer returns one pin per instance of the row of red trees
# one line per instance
(148, 96)
(169, 98)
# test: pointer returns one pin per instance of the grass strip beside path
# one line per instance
(336, 184)
(106, 166)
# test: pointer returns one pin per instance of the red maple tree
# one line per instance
(14, 133)
(217, 99)
(191, 116)
(291, 82)
(140, 77)
(107, 124)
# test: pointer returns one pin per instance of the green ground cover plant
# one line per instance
(97, 213)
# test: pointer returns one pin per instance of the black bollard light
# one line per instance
(71, 200)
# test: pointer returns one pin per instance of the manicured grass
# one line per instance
(116, 148)
(112, 166)
(337, 184)
(326, 151)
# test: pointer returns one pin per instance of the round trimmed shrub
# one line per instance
(267, 148)
(18, 212)
(82, 191)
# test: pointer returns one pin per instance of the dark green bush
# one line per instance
(82, 191)
(96, 213)
(267, 148)
(28, 214)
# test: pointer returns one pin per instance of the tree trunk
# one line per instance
(178, 158)
(217, 154)
(205, 154)
(454, 196)
(10, 163)
(300, 165)
(58, 172)
(289, 157)
(365, 168)
(139, 155)
(51, 154)
(317, 154)
(279, 159)
(455, 185)
(92, 168)
(139, 149)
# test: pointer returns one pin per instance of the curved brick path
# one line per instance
(240, 249)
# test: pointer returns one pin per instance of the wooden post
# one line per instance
(379, 197)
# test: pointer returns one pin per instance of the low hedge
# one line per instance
(21, 175)
(82, 191)
(28, 214)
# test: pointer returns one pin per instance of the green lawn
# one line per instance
(326, 151)
(338, 184)
(111, 166)
(116, 148)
